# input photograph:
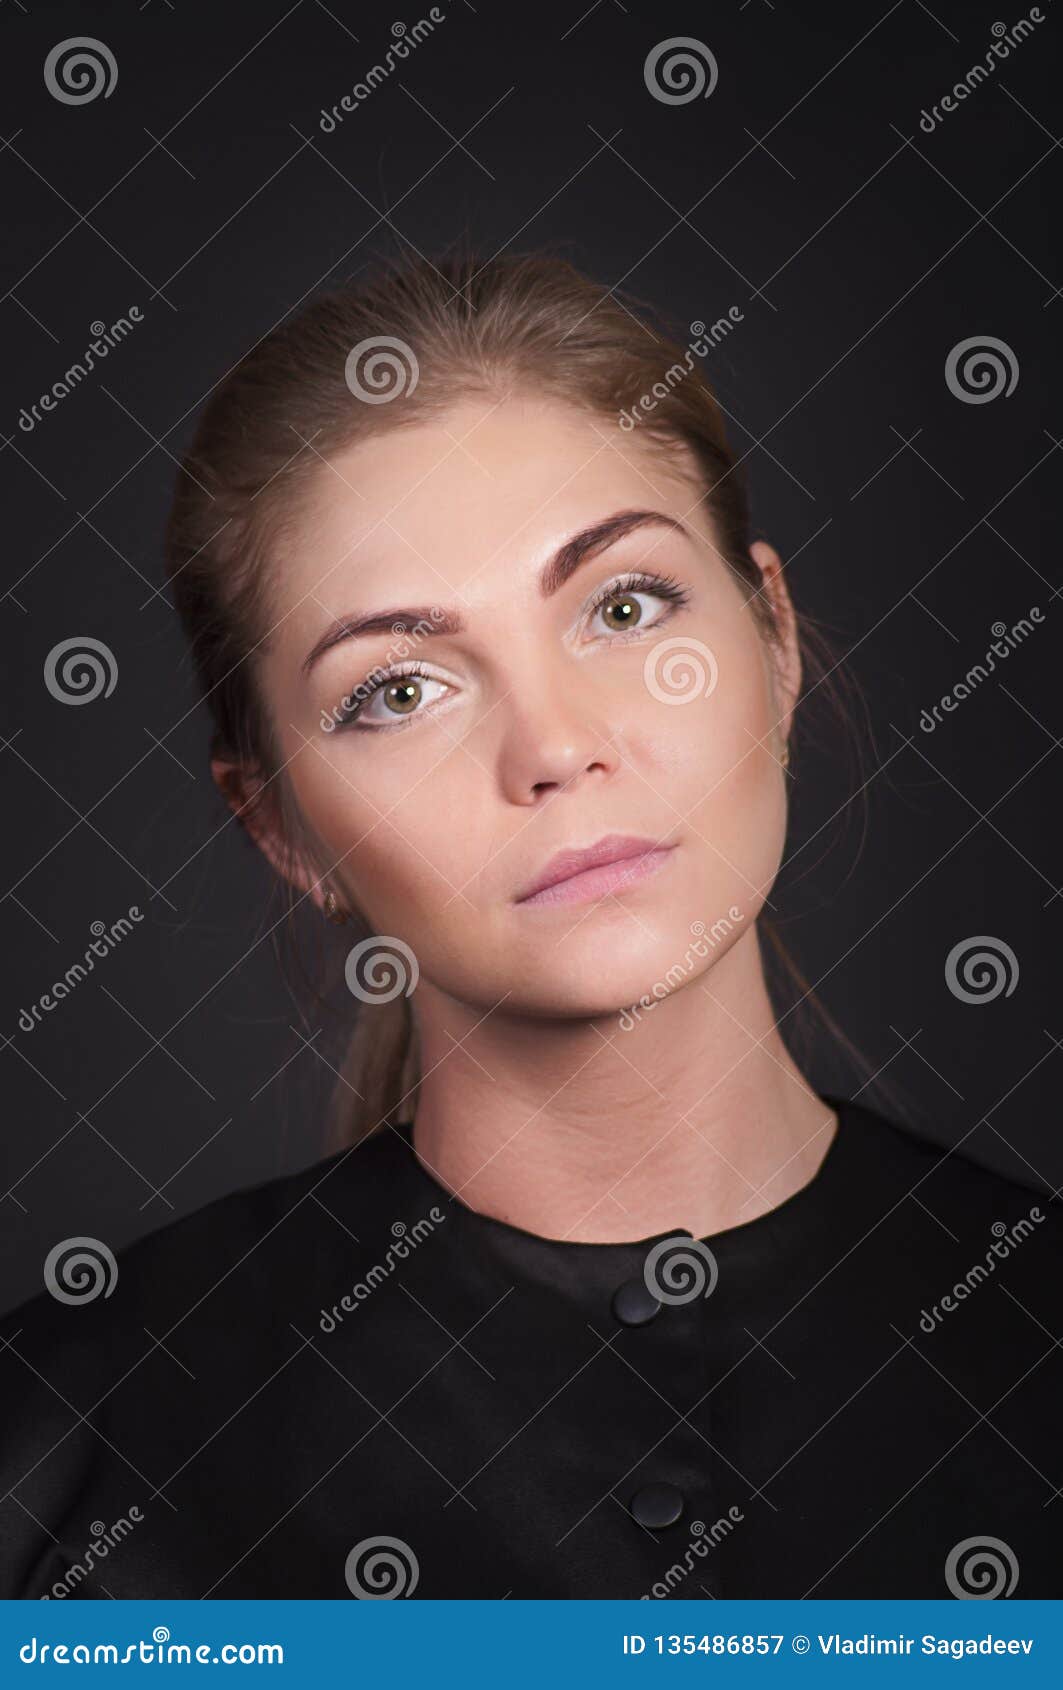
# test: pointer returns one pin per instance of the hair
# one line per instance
(528, 323)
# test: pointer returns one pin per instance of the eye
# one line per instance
(387, 699)
(619, 602)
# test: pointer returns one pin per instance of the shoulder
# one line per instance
(914, 1158)
(130, 1360)
(133, 1362)
(240, 1263)
(942, 1210)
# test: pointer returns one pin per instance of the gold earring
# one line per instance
(332, 908)
(785, 758)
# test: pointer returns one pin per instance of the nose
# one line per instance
(553, 738)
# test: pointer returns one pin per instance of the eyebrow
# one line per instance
(579, 549)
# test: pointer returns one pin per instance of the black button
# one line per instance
(634, 1303)
(657, 1505)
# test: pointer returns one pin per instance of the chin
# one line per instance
(594, 977)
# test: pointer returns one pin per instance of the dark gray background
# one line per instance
(860, 251)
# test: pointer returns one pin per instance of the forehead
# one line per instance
(485, 485)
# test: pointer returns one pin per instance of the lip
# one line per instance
(611, 863)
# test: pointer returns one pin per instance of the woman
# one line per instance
(594, 1295)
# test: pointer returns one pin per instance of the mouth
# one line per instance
(603, 869)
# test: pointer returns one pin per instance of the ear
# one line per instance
(255, 806)
(786, 652)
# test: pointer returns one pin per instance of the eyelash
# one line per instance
(665, 587)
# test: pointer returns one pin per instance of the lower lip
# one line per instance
(601, 881)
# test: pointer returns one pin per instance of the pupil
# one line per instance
(627, 611)
(403, 694)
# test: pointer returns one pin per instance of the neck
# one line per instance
(690, 1114)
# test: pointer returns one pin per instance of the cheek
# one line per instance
(731, 792)
(744, 824)
(386, 817)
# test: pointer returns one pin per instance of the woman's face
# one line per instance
(559, 693)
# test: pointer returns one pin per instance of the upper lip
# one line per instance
(613, 848)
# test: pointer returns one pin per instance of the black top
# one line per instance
(345, 1381)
